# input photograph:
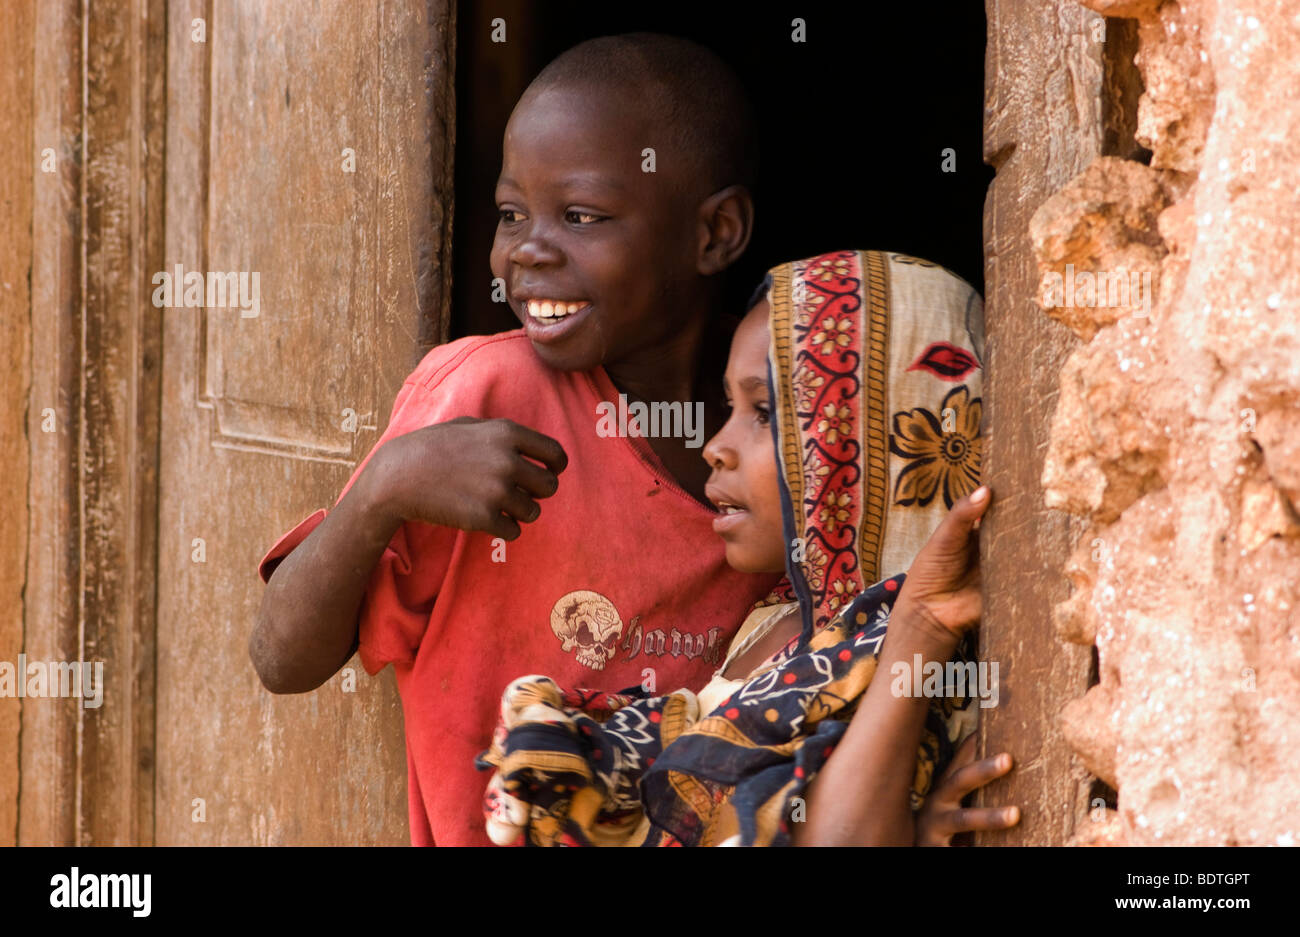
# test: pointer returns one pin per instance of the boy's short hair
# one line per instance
(683, 86)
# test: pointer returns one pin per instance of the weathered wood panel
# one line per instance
(17, 22)
(87, 771)
(121, 349)
(257, 419)
(48, 752)
(1043, 124)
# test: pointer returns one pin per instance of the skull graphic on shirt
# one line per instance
(587, 625)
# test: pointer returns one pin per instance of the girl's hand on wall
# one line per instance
(943, 816)
(943, 584)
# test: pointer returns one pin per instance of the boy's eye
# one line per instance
(508, 215)
(581, 217)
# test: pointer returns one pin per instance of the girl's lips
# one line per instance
(724, 523)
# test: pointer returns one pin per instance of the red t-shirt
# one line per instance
(622, 572)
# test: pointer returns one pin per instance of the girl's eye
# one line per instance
(581, 217)
(763, 415)
(508, 215)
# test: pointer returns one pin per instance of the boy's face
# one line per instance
(596, 254)
(744, 485)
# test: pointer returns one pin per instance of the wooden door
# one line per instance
(308, 151)
(1059, 83)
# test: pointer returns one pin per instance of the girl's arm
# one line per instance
(862, 797)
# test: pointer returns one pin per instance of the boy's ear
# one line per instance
(726, 225)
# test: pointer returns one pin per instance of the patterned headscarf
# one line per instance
(874, 367)
(876, 391)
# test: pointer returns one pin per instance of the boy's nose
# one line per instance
(535, 251)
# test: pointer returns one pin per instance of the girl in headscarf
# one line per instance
(860, 371)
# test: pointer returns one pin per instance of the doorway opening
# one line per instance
(871, 131)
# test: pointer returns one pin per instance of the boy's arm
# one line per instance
(466, 473)
(307, 624)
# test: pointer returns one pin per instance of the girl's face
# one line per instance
(744, 485)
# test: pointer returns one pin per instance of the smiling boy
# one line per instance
(613, 271)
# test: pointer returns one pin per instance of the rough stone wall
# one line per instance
(1177, 433)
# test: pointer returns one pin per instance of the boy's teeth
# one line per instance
(540, 309)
